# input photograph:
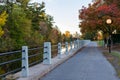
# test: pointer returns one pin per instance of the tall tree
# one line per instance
(20, 26)
(94, 18)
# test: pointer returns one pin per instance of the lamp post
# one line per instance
(109, 21)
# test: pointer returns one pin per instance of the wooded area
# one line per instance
(23, 24)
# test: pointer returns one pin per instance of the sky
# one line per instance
(65, 13)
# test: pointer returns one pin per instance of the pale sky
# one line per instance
(65, 13)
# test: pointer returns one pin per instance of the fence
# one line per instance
(4, 57)
(21, 62)
(44, 56)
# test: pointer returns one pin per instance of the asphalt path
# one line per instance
(88, 64)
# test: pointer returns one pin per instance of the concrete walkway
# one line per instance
(88, 64)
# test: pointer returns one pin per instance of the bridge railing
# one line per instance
(45, 55)
(7, 61)
(35, 55)
(54, 50)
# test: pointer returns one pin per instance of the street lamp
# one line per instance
(109, 21)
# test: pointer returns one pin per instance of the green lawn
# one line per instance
(100, 42)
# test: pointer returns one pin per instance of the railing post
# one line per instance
(59, 50)
(66, 46)
(47, 53)
(25, 65)
(74, 44)
(80, 43)
(77, 43)
(71, 45)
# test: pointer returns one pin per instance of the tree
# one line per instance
(94, 18)
(67, 34)
(53, 36)
(3, 19)
(23, 3)
(19, 26)
(41, 22)
(36, 12)
(26, 25)
(89, 35)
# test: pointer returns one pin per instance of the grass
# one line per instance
(114, 59)
(116, 54)
(100, 42)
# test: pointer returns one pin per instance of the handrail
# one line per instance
(8, 53)
(54, 45)
(54, 48)
(37, 48)
(18, 69)
(18, 59)
(38, 61)
(11, 61)
(34, 55)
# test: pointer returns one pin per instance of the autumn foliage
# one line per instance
(3, 19)
(93, 18)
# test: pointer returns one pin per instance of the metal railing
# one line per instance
(9, 64)
(7, 61)
(35, 55)
(54, 50)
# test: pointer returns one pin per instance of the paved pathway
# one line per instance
(88, 64)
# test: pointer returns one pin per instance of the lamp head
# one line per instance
(108, 21)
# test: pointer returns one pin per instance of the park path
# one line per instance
(88, 64)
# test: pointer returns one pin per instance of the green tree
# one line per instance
(90, 35)
(23, 3)
(19, 26)
(3, 19)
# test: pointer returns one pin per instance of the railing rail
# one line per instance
(8, 53)
(2, 64)
(11, 61)
(54, 50)
(10, 72)
(37, 48)
(38, 55)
